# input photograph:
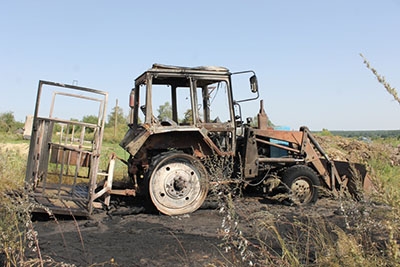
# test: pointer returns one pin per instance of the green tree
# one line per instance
(188, 117)
(164, 111)
(8, 123)
(74, 128)
(254, 122)
(116, 114)
(326, 132)
(90, 119)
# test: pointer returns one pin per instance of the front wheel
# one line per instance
(302, 183)
(178, 184)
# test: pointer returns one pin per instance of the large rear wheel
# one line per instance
(302, 183)
(178, 184)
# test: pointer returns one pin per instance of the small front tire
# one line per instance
(302, 183)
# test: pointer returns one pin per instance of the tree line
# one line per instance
(118, 119)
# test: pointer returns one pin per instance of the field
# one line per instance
(231, 229)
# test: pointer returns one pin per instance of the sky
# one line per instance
(306, 53)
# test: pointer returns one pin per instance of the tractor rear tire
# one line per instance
(302, 184)
(177, 183)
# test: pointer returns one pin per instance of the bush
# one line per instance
(8, 123)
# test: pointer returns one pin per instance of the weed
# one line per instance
(391, 90)
(365, 233)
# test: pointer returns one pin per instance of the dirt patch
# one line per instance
(197, 239)
(358, 151)
(133, 240)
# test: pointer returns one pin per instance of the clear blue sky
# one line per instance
(305, 53)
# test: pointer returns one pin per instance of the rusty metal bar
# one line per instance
(277, 160)
(333, 174)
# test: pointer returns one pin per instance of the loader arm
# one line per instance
(328, 171)
(303, 147)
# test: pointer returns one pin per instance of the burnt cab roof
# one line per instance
(178, 71)
(201, 69)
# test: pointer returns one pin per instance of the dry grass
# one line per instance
(368, 235)
(19, 243)
(17, 234)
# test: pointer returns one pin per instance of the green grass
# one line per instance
(12, 138)
(108, 149)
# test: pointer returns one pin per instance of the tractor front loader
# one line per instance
(301, 162)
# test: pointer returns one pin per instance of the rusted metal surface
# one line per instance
(134, 140)
(294, 137)
(305, 149)
(262, 117)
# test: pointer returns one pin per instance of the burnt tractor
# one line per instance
(169, 153)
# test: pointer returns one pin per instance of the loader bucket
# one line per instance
(359, 181)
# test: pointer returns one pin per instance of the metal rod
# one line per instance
(278, 160)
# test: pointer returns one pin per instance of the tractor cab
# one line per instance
(191, 105)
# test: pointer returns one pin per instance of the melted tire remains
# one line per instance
(302, 183)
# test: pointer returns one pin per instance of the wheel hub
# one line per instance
(177, 187)
(301, 190)
(177, 183)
